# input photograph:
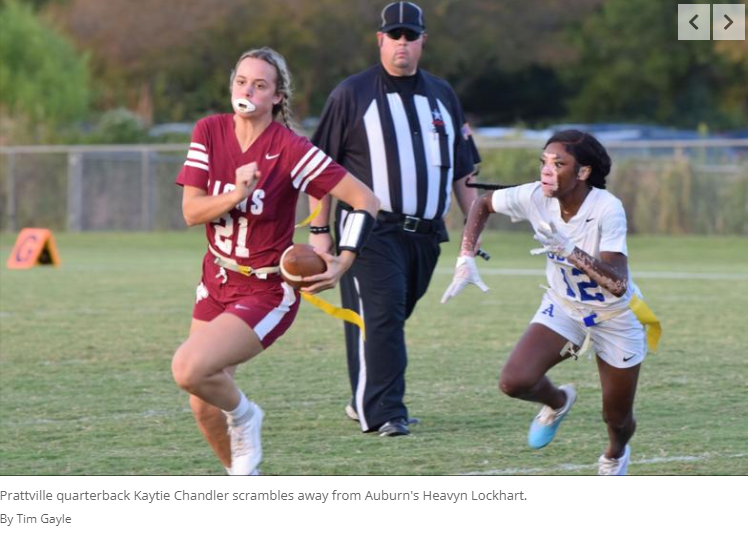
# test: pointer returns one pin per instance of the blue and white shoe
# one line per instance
(614, 466)
(543, 427)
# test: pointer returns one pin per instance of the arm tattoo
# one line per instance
(613, 279)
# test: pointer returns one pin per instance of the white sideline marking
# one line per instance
(637, 275)
(575, 467)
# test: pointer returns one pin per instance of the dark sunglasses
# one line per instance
(410, 35)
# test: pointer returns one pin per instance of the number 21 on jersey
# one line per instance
(223, 226)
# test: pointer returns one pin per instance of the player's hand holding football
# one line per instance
(246, 180)
(336, 267)
(322, 242)
(466, 273)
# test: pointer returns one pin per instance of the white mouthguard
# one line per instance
(243, 106)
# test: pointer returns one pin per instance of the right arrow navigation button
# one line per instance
(728, 22)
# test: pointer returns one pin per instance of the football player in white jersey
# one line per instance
(582, 230)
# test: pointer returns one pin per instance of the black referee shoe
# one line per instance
(395, 427)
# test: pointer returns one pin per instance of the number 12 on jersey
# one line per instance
(582, 284)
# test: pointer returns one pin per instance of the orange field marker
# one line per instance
(34, 246)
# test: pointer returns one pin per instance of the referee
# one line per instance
(399, 130)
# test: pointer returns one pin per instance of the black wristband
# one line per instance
(319, 230)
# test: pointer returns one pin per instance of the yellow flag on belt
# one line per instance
(311, 216)
(650, 321)
(343, 314)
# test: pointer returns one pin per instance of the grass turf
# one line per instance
(86, 388)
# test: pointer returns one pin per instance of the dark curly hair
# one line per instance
(587, 151)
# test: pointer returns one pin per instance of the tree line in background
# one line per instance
(67, 63)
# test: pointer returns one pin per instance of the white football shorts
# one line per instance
(620, 341)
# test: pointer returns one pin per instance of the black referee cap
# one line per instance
(403, 15)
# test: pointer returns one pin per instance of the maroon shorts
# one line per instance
(267, 306)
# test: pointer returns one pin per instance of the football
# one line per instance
(300, 260)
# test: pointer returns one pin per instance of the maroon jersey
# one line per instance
(255, 232)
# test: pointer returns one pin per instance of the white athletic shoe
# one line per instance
(255, 473)
(614, 466)
(351, 412)
(246, 444)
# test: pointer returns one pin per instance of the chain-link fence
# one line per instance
(698, 186)
(82, 188)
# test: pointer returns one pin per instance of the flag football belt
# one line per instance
(261, 273)
(230, 264)
(343, 314)
(641, 310)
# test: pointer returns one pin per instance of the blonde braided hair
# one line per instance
(282, 82)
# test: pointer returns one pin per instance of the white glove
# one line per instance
(553, 241)
(465, 273)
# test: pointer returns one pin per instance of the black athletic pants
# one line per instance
(383, 285)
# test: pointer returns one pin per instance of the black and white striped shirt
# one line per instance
(408, 147)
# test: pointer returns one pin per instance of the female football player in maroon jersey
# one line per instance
(241, 179)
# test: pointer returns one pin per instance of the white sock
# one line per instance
(241, 413)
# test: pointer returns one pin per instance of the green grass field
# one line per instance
(86, 388)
